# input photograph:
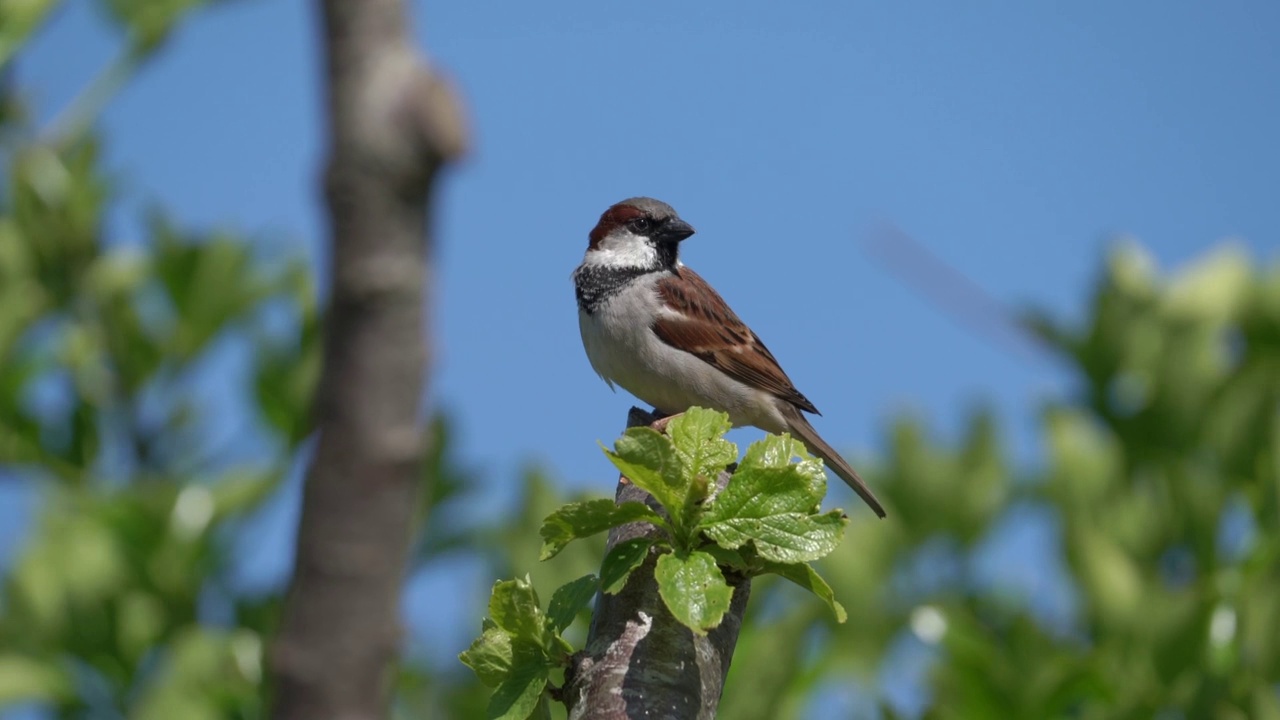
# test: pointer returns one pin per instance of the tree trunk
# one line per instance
(392, 125)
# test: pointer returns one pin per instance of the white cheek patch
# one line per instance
(623, 250)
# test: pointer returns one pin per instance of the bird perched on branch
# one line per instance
(655, 327)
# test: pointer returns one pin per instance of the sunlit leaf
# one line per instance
(693, 589)
(584, 519)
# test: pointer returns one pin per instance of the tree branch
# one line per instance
(639, 661)
(951, 291)
(392, 125)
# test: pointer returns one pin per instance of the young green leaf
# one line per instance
(568, 599)
(519, 694)
(649, 460)
(768, 483)
(543, 710)
(584, 519)
(26, 679)
(693, 589)
(489, 655)
(698, 436)
(784, 538)
(621, 560)
(805, 576)
(725, 557)
(771, 502)
(514, 607)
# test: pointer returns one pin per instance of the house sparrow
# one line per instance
(655, 327)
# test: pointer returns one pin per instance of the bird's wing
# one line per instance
(698, 321)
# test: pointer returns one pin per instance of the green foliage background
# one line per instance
(1160, 478)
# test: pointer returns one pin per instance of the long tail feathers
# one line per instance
(803, 430)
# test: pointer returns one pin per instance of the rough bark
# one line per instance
(639, 661)
(392, 125)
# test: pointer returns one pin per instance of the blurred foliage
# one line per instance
(1160, 482)
(1159, 485)
(103, 395)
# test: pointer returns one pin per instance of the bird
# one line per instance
(653, 326)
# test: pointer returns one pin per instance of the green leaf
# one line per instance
(568, 599)
(693, 589)
(24, 679)
(20, 20)
(805, 576)
(518, 696)
(74, 560)
(131, 342)
(1109, 576)
(785, 538)
(211, 282)
(489, 656)
(287, 374)
(140, 621)
(584, 519)
(117, 274)
(767, 482)
(514, 607)
(771, 501)
(621, 560)
(149, 22)
(205, 672)
(543, 710)
(698, 436)
(241, 490)
(649, 460)
(1212, 288)
(725, 557)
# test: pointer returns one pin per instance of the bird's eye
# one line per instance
(640, 225)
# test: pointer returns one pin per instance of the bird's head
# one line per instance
(638, 232)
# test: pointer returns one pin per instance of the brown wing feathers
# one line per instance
(711, 331)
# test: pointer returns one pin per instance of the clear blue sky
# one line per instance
(1013, 139)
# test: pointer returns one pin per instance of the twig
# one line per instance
(951, 292)
(71, 122)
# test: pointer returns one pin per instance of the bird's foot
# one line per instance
(661, 423)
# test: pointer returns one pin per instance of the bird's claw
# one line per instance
(661, 423)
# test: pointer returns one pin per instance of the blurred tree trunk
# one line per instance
(392, 125)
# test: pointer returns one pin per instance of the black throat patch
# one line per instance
(594, 284)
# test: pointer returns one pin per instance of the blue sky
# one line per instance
(1014, 140)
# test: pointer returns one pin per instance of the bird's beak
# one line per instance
(675, 230)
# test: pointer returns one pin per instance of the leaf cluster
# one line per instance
(521, 643)
(765, 520)
(105, 348)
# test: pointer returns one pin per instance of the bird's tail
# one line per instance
(801, 427)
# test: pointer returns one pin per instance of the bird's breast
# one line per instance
(623, 349)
